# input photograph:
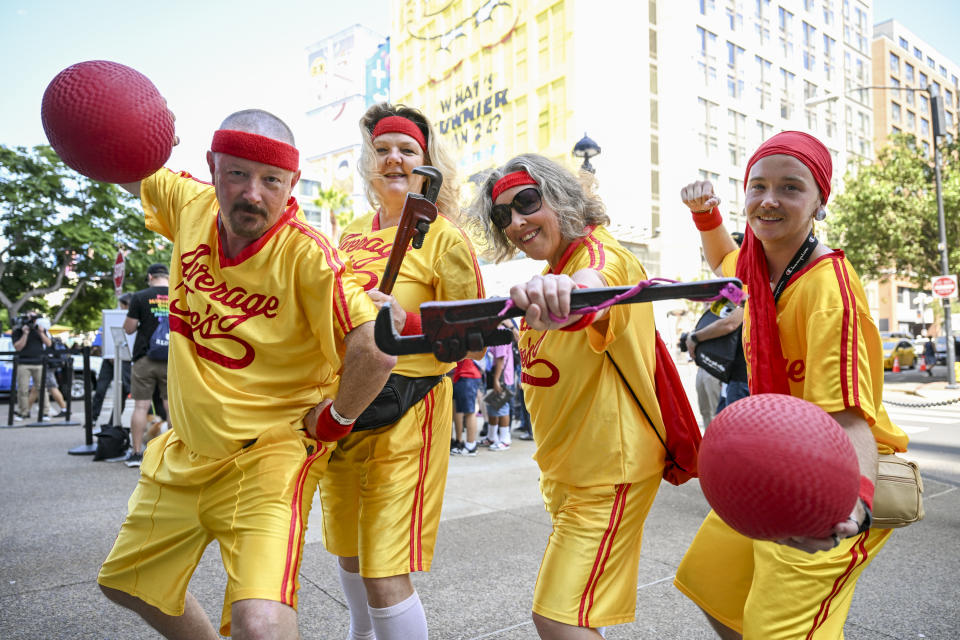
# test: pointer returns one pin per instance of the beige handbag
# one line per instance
(897, 499)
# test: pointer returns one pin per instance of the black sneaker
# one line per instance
(466, 451)
(134, 460)
(62, 414)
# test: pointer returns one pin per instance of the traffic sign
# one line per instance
(118, 271)
(944, 286)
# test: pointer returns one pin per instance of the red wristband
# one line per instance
(866, 491)
(411, 326)
(707, 220)
(328, 429)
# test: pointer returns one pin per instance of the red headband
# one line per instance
(509, 181)
(399, 124)
(804, 148)
(257, 148)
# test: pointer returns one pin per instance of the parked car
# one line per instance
(6, 367)
(902, 350)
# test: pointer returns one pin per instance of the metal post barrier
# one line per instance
(88, 447)
(13, 387)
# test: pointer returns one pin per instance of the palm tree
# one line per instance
(338, 205)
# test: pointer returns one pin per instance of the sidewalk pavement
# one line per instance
(60, 514)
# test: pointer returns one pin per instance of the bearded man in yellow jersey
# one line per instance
(267, 334)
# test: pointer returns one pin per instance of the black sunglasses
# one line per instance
(525, 202)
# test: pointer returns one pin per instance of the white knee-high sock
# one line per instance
(361, 627)
(403, 621)
(505, 435)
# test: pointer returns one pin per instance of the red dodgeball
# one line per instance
(774, 466)
(107, 121)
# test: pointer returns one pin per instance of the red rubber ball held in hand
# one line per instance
(773, 466)
(107, 121)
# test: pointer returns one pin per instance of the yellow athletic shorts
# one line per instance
(383, 490)
(770, 591)
(255, 503)
(588, 577)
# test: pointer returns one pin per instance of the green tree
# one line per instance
(60, 232)
(886, 217)
(339, 207)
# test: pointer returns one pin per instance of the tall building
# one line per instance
(754, 69)
(348, 71)
(911, 68)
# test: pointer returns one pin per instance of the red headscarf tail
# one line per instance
(805, 148)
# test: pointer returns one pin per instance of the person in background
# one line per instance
(929, 355)
(30, 340)
(148, 372)
(502, 381)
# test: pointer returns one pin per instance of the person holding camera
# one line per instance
(30, 340)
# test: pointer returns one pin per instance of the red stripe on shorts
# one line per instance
(603, 553)
(295, 538)
(858, 555)
(416, 516)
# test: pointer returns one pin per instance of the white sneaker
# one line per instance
(499, 446)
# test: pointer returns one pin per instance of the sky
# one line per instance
(212, 57)
(207, 57)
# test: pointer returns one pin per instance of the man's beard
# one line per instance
(245, 228)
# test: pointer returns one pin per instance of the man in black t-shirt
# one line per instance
(147, 307)
(30, 339)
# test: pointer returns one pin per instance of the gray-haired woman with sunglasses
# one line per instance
(600, 461)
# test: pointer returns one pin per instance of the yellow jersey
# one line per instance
(589, 430)
(826, 330)
(444, 268)
(255, 340)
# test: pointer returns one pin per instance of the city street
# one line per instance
(61, 514)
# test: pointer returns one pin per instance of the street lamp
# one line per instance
(939, 128)
(586, 149)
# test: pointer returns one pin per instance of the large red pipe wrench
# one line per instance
(419, 210)
(452, 328)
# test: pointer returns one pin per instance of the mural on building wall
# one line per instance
(449, 36)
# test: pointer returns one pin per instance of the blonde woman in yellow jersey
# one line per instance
(807, 333)
(600, 460)
(265, 324)
(383, 493)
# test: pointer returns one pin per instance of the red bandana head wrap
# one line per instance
(768, 370)
(399, 124)
(509, 181)
(257, 148)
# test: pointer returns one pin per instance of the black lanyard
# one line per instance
(800, 258)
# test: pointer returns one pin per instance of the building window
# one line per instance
(708, 57)
(923, 79)
(910, 97)
(904, 44)
(707, 6)
(908, 72)
(911, 121)
(943, 70)
(786, 42)
(827, 12)
(737, 130)
(708, 133)
(931, 63)
(895, 111)
(829, 47)
(734, 15)
(918, 54)
(894, 63)
(765, 86)
(924, 105)
(895, 131)
(786, 95)
(764, 130)
(924, 127)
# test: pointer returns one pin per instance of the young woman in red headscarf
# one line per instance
(807, 333)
